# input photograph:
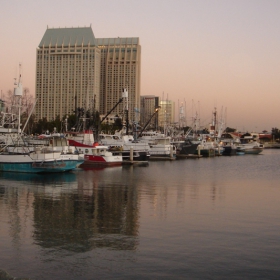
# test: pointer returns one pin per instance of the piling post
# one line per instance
(171, 151)
(198, 149)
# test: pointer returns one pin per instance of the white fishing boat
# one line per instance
(160, 145)
(55, 143)
(18, 156)
(41, 160)
(130, 148)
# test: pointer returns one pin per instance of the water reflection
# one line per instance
(199, 219)
(73, 211)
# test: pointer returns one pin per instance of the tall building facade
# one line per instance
(120, 68)
(166, 113)
(147, 108)
(67, 72)
(74, 69)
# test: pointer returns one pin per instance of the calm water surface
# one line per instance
(212, 218)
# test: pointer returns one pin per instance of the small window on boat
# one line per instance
(86, 151)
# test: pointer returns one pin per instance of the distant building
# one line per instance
(166, 113)
(76, 70)
(110, 119)
(148, 105)
(2, 105)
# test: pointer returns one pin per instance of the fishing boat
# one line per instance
(55, 143)
(208, 147)
(94, 154)
(229, 149)
(122, 142)
(160, 145)
(229, 144)
(185, 147)
(31, 155)
(41, 160)
(18, 156)
(127, 146)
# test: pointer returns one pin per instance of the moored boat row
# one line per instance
(63, 152)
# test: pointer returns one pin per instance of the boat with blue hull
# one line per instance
(38, 167)
(39, 161)
(18, 155)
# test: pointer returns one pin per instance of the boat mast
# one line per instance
(18, 96)
(125, 98)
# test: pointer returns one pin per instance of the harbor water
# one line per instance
(207, 218)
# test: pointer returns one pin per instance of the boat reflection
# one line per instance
(73, 211)
(41, 179)
(89, 168)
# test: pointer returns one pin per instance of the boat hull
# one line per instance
(229, 151)
(185, 147)
(97, 155)
(91, 160)
(206, 152)
(253, 151)
(136, 155)
(40, 167)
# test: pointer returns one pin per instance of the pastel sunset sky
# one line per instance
(204, 53)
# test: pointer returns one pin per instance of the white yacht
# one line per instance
(250, 145)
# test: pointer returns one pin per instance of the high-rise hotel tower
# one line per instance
(75, 69)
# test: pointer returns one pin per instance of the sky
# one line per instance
(204, 54)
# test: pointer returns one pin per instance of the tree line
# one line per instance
(80, 119)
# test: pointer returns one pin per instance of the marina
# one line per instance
(212, 218)
(140, 140)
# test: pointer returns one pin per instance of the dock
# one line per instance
(135, 162)
(194, 156)
(161, 158)
(183, 156)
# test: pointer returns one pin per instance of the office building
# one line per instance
(148, 105)
(120, 68)
(76, 70)
(166, 113)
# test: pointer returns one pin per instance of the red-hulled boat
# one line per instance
(95, 154)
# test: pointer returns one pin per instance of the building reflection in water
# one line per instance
(72, 211)
(97, 214)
